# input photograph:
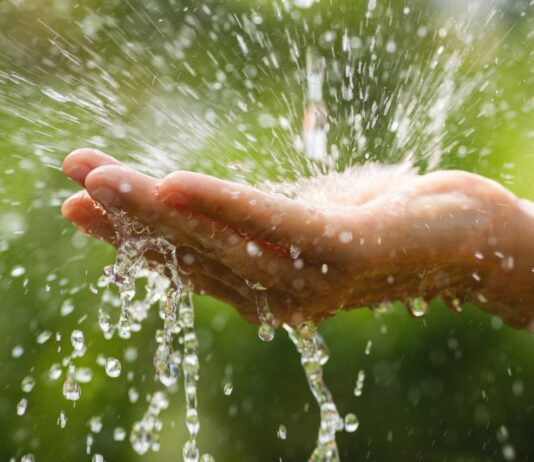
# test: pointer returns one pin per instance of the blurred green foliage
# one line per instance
(99, 73)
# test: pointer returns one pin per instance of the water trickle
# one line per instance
(163, 287)
(265, 315)
(315, 128)
(313, 356)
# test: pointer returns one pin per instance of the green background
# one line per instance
(164, 85)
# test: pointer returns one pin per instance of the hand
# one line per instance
(360, 238)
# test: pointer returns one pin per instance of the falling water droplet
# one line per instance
(55, 371)
(228, 388)
(368, 347)
(113, 367)
(282, 432)
(77, 340)
(62, 420)
(27, 384)
(22, 406)
(351, 423)
(71, 390)
(43, 337)
(27, 458)
(358, 389)
(119, 434)
(95, 424)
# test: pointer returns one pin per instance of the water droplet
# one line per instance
(18, 271)
(358, 389)
(133, 395)
(71, 390)
(22, 406)
(104, 321)
(66, 308)
(27, 458)
(113, 367)
(98, 458)
(266, 332)
(207, 458)
(17, 351)
(43, 337)
(83, 375)
(228, 388)
(282, 432)
(77, 340)
(190, 452)
(55, 371)
(508, 452)
(62, 420)
(351, 423)
(119, 434)
(27, 384)
(417, 307)
(95, 424)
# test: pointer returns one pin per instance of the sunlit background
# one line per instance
(220, 87)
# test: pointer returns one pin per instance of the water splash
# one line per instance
(313, 355)
(165, 288)
(315, 130)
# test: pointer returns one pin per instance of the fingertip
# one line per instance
(79, 163)
(104, 183)
(79, 209)
(174, 187)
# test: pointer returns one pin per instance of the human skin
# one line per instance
(340, 242)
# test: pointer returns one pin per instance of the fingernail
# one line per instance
(78, 172)
(106, 196)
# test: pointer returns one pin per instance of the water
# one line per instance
(165, 288)
(272, 92)
(313, 355)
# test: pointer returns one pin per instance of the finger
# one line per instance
(205, 285)
(82, 210)
(275, 218)
(134, 192)
(78, 164)
(224, 284)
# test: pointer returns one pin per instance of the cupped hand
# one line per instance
(369, 235)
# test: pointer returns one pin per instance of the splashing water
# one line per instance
(164, 286)
(313, 355)
(376, 86)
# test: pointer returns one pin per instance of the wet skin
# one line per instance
(448, 233)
